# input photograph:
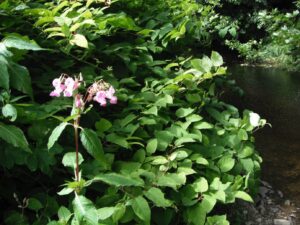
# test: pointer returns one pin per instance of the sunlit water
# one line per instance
(275, 95)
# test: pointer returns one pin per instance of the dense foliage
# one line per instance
(170, 152)
(270, 36)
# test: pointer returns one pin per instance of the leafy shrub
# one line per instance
(168, 153)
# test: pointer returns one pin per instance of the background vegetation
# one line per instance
(170, 152)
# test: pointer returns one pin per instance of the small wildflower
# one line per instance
(78, 101)
(254, 119)
(100, 98)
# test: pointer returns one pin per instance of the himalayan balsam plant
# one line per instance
(66, 86)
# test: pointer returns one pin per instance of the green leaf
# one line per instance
(157, 197)
(34, 204)
(164, 138)
(226, 163)
(172, 180)
(22, 43)
(79, 40)
(64, 214)
(200, 185)
(69, 159)
(183, 112)
(159, 160)
(19, 78)
(85, 211)
(118, 140)
(92, 144)
(203, 125)
(14, 135)
(106, 212)
(216, 58)
(152, 111)
(223, 32)
(141, 209)
(4, 75)
(119, 180)
(151, 146)
(232, 31)
(103, 125)
(56, 134)
(9, 111)
(243, 135)
(217, 220)
(183, 140)
(243, 195)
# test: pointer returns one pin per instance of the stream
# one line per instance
(275, 95)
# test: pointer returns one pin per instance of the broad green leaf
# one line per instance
(14, 135)
(159, 160)
(79, 40)
(183, 112)
(217, 220)
(203, 125)
(141, 209)
(226, 163)
(232, 31)
(103, 125)
(56, 134)
(9, 111)
(20, 78)
(106, 212)
(152, 111)
(34, 204)
(151, 146)
(200, 185)
(172, 180)
(119, 180)
(69, 159)
(157, 197)
(246, 151)
(183, 140)
(85, 211)
(4, 76)
(216, 58)
(193, 118)
(92, 144)
(118, 140)
(243, 135)
(22, 43)
(206, 64)
(243, 195)
(164, 138)
(64, 214)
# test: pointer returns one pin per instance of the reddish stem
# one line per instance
(77, 148)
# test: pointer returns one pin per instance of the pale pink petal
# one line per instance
(56, 82)
(69, 82)
(100, 98)
(110, 92)
(113, 100)
(55, 93)
(78, 101)
(68, 93)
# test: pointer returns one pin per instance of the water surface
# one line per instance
(275, 95)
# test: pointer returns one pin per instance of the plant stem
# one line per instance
(76, 121)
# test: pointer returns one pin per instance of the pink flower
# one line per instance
(100, 98)
(113, 100)
(59, 87)
(71, 85)
(78, 101)
(110, 95)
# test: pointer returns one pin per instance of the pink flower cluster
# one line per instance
(99, 91)
(65, 85)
